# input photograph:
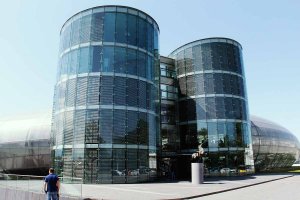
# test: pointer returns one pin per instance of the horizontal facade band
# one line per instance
(103, 9)
(213, 95)
(115, 44)
(205, 41)
(105, 146)
(99, 74)
(213, 120)
(113, 107)
(188, 152)
(210, 72)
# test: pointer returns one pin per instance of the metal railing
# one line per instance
(69, 186)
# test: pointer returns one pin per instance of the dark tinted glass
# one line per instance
(132, 30)
(120, 60)
(120, 91)
(109, 27)
(106, 90)
(142, 33)
(97, 57)
(106, 126)
(121, 28)
(131, 62)
(108, 59)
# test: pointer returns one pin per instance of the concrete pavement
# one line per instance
(176, 190)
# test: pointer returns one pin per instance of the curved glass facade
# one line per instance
(106, 117)
(25, 144)
(273, 146)
(212, 102)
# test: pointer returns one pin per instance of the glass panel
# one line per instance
(120, 91)
(206, 56)
(85, 28)
(132, 30)
(199, 81)
(210, 108)
(143, 129)
(142, 63)
(97, 57)
(150, 66)
(93, 91)
(106, 125)
(79, 123)
(97, 27)
(84, 60)
(223, 139)
(119, 126)
(121, 32)
(201, 108)
(209, 83)
(109, 27)
(131, 62)
(150, 32)
(220, 108)
(92, 127)
(74, 62)
(81, 91)
(106, 90)
(197, 58)
(212, 136)
(131, 135)
(142, 95)
(75, 32)
(108, 59)
(142, 33)
(71, 88)
(132, 92)
(231, 131)
(120, 60)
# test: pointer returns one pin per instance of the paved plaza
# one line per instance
(211, 188)
(273, 187)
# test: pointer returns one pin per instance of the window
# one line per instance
(121, 28)
(132, 30)
(142, 33)
(120, 60)
(109, 27)
(108, 59)
(84, 60)
(131, 62)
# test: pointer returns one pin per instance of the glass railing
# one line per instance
(69, 186)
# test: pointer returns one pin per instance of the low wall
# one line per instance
(13, 194)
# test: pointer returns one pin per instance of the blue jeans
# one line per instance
(52, 196)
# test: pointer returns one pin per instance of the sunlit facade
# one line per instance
(124, 114)
(105, 127)
(213, 107)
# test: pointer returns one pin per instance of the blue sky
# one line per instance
(268, 31)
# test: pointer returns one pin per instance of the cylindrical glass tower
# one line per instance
(105, 115)
(213, 109)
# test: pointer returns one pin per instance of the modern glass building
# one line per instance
(273, 145)
(124, 114)
(170, 140)
(213, 108)
(106, 114)
(25, 144)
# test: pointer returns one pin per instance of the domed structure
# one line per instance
(25, 144)
(273, 145)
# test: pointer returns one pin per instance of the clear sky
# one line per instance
(268, 30)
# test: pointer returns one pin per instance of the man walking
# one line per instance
(51, 185)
